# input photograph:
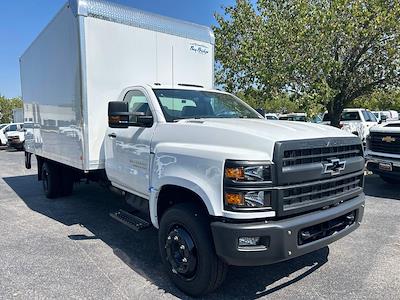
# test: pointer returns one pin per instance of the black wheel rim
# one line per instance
(181, 253)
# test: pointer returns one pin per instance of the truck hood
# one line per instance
(387, 127)
(273, 130)
(242, 139)
(15, 133)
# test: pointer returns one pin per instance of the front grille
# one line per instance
(319, 154)
(326, 229)
(295, 197)
(316, 173)
(384, 142)
(13, 139)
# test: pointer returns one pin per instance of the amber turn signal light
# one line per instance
(234, 199)
(234, 173)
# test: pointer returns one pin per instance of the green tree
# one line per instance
(323, 54)
(380, 100)
(6, 107)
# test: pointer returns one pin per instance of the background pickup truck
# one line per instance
(357, 121)
(383, 151)
(16, 139)
(14, 128)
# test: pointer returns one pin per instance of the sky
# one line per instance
(22, 20)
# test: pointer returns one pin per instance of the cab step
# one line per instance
(130, 220)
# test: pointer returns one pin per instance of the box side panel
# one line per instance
(51, 90)
(119, 56)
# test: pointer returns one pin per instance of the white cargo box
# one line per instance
(85, 57)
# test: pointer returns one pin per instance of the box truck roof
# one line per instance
(134, 17)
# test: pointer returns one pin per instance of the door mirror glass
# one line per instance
(118, 114)
(144, 121)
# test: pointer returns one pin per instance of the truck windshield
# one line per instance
(368, 116)
(180, 104)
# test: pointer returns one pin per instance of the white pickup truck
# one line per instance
(16, 138)
(223, 185)
(12, 134)
(355, 120)
(383, 151)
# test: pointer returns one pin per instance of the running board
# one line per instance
(130, 220)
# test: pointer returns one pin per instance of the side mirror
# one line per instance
(120, 117)
(383, 118)
(118, 114)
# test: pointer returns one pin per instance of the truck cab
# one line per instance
(265, 188)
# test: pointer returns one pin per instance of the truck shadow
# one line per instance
(375, 187)
(90, 207)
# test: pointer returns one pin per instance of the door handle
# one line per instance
(112, 135)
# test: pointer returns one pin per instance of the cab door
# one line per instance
(128, 149)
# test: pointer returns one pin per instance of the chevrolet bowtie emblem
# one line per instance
(334, 166)
(388, 139)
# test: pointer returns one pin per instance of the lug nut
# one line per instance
(169, 238)
(176, 238)
(289, 232)
(182, 247)
(184, 260)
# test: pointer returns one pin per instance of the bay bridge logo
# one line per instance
(199, 49)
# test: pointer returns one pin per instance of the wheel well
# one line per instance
(172, 194)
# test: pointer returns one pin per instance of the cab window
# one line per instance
(351, 116)
(12, 128)
(368, 116)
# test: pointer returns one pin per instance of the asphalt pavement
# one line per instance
(70, 248)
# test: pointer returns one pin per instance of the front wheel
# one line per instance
(390, 180)
(187, 250)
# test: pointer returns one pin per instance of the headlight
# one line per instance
(236, 172)
(246, 185)
(251, 199)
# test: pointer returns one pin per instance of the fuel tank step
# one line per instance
(130, 220)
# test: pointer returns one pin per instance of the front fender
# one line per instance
(202, 176)
(201, 191)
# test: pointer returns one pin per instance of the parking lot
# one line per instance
(71, 248)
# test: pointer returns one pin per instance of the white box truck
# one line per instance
(127, 98)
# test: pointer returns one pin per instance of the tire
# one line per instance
(50, 180)
(186, 224)
(390, 180)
